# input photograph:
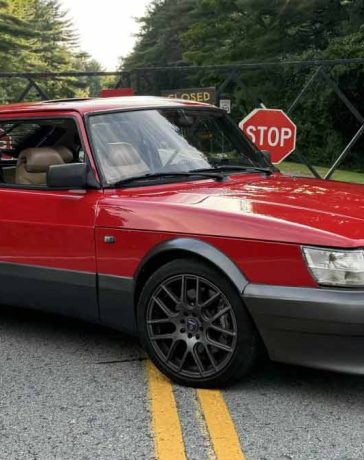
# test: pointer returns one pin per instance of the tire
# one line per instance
(205, 340)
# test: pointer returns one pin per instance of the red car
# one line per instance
(159, 218)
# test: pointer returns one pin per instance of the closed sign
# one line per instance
(207, 95)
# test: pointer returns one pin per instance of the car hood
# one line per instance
(276, 208)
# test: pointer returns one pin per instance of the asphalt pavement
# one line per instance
(70, 390)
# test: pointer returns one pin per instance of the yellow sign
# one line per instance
(207, 95)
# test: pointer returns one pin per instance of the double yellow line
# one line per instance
(166, 427)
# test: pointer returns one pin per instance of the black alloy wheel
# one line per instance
(194, 325)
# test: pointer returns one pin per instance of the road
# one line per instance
(71, 390)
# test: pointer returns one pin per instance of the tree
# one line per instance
(13, 30)
(159, 40)
(39, 37)
(208, 32)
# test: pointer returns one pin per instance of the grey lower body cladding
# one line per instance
(315, 327)
(101, 299)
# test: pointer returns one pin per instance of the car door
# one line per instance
(47, 249)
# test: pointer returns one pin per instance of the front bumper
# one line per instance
(322, 328)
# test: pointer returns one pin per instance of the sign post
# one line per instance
(225, 104)
(271, 130)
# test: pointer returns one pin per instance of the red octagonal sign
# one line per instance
(271, 130)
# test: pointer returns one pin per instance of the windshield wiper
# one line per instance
(224, 168)
(155, 176)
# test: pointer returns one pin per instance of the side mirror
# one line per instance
(68, 176)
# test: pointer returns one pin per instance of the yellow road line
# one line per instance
(166, 427)
(220, 426)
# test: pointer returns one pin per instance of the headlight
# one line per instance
(334, 267)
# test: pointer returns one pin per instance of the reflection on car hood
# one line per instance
(276, 208)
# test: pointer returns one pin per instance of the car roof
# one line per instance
(92, 105)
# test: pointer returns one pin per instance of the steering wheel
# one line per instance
(172, 157)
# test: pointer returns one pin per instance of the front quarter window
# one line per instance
(144, 142)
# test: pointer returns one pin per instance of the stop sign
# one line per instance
(271, 130)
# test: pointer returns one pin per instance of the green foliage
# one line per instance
(12, 29)
(37, 36)
(159, 40)
(204, 32)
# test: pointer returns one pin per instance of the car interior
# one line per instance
(120, 148)
(29, 147)
(142, 142)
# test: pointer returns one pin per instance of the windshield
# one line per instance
(143, 142)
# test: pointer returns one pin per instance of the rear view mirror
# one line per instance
(185, 121)
(68, 176)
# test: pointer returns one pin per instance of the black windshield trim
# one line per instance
(235, 169)
(195, 175)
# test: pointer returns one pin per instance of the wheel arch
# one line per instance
(191, 247)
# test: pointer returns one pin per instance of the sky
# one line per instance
(106, 27)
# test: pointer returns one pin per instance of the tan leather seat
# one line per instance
(122, 161)
(33, 163)
(65, 152)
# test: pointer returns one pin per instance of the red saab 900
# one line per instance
(159, 218)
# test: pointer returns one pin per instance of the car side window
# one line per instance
(29, 147)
